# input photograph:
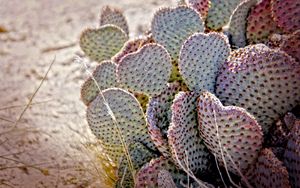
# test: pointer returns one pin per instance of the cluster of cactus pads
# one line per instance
(204, 99)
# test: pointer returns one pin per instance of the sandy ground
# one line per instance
(47, 148)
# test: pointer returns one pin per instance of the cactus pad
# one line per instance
(104, 75)
(260, 23)
(165, 180)
(292, 155)
(183, 135)
(238, 23)
(102, 43)
(269, 171)
(201, 57)
(291, 45)
(202, 6)
(127, 113)
(171, 27)
(148, 175)
(131, 46)
(286, 13)
(265, 82)
(159, 117)
(230, 128)
(146, 70)
(115, 17)
(139, 155)
(220, 12)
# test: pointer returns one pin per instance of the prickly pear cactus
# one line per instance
(172, 26)
(136, 71)
(148, 175)
(286, 13)
(139, 155)
(292, 155)
(207, 106)
(131, 46)
(265, 82)
(187, 147)
(219, 13)
(116, 118)
(115, 17)
(199, 70)
(102, 43)
(291, 45)
(238, 23)
(159, 117)
(269, 171)
(260, 23)
(202, 6)
(165, 180)
(229, 132)
(103, 77)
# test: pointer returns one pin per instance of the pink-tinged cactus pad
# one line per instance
(219, 13)
(172, 26)
(146, 70)
(127, 113)
(159, 117)
(102, 43)
(230, 130)
(113, 16)
(148, 175)
(104, 75)
(238, 23)
(292, 155)
(132, 46)
(286, 13)
(269, 171)
(291, 45)
(202, 6)
(265, 82)
(201, 57)
(183, 134)
(260, 23)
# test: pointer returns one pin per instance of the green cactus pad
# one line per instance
(291, 45)
(172, 26)
(139, 155)
(230, 128)
(165, 180)
(201, 57)
(286, 14)
(292, 155)
(220, 12)
(159, 117)
(260, 24)
(102, 43)
(148, 175)
(183, 134)
(202, 6)
(146, 70)
(265, 82)
(104, 75)
(113, 16)
(131, 46)
(128, 114)
(238, 23)
(269, 171)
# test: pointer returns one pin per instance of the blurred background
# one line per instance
(48, 144)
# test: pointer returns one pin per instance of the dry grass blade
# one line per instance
(34, 94)
(22, 105)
